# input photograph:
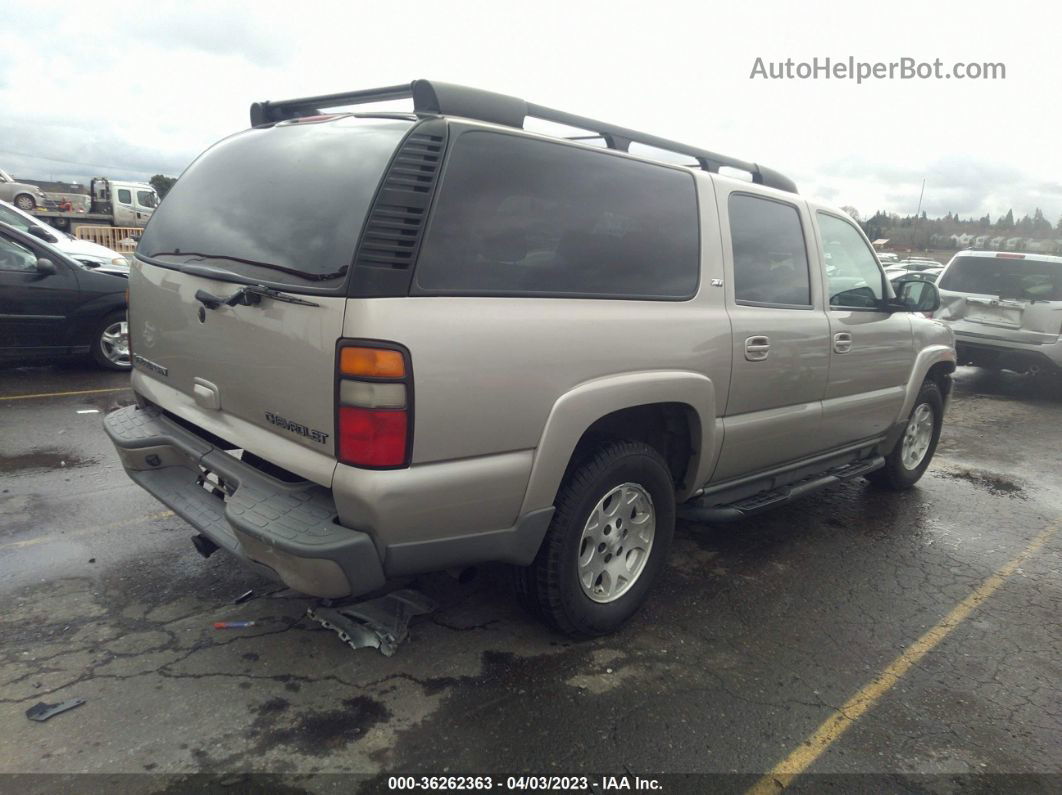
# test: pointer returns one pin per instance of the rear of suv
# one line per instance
(369, 345)
(1005, 309)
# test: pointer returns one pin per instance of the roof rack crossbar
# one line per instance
(454, 100)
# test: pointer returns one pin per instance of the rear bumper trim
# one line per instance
(286, 530)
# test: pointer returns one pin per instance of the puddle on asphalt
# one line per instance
(43, 459)
(998, 485)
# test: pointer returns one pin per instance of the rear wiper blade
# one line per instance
(251, 295)
(312, 277)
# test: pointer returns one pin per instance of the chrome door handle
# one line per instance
(842, 342)
(757, 348)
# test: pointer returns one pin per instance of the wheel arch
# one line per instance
(673, 411)
(935, 362)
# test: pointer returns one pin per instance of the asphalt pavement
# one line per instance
(911, 640)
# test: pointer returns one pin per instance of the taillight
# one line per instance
(374, 391)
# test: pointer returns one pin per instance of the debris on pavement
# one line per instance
(239, 600)
(41, 711)
(381, 623)
(233, 624)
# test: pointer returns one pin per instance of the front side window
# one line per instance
(14, 219)
(16, 257)
(853, 276)
(124, 196)
(145, 198)
(519, 216)
(770, 257)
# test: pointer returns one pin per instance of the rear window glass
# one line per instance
(283, 204)
(518, 216)
(1028, 279)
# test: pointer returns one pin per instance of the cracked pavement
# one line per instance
(755, 633)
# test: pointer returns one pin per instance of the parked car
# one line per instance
(915, 264)
(450, 341)
(86, 252)
(22, 195)
(52, 306)
(902, 271)
(1005, 309)
(887, 258)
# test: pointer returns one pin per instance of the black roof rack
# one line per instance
(452, 100)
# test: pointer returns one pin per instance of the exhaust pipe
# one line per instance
(204, 546)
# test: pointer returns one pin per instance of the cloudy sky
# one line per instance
(130, 90)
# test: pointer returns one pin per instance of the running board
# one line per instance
(696, 511)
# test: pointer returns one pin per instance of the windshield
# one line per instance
(4, 175)
(1028, 279)
(283, 204)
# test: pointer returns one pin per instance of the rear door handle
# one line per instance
(757, 348)
(842, 342)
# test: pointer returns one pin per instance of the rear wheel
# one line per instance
(607, 542)
(910, 457)
(110, 346)
(25, 202)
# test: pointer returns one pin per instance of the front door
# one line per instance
(779, 331)
(871, 349)
(34, 306)
(124, 213)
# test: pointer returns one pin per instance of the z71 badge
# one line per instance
(296, 427)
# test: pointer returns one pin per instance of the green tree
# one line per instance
(162, 184)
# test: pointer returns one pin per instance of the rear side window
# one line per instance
(770, 257)
(1029, 279)
(518, 216)
(124, 196)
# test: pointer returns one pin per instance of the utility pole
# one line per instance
(918, 212)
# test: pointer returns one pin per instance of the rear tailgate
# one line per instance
(244, 373)
(274, 212)
(1007, 298)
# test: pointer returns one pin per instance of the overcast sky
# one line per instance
(134, 89)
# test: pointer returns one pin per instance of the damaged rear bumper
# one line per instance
(285, 530)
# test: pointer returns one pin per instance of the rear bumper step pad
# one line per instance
(287, 530)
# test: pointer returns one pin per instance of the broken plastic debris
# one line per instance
(233, 624)
(41, 711)
(380, 623)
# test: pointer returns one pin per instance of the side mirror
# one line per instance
(45, 267)
(43, 234)
(916, 295)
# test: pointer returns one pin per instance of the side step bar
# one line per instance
(697, 511)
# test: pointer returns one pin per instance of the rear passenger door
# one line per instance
(779, 333)
(871, 349)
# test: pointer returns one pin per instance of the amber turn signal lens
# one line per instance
(372, 362)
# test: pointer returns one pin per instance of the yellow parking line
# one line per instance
(65, 394)
(782, 774)
(85, 531)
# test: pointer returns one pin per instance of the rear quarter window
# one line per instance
(519, 216)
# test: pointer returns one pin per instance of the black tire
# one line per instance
(895, 474)
(99, 354)
(25, 202)
(550, 586)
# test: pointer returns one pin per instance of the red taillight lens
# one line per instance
(372, 437)
(374, 404)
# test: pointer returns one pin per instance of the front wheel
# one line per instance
(110, 342)
(607, 543)
(910, 457)
(25, 202)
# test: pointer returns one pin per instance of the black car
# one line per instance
(52, 306)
